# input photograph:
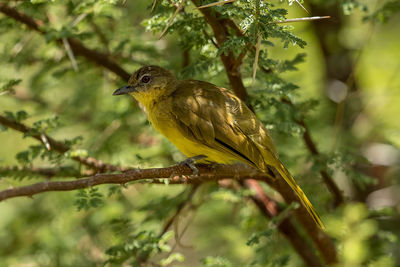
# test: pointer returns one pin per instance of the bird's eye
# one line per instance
(145, 79)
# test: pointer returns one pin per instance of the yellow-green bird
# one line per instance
(200, 118)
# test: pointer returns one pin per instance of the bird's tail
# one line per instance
(303, 198)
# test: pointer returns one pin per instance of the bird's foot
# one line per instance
(191, 161)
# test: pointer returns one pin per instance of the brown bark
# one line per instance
(232, 69)
(179, 174)
(286, 227)
(221, 33)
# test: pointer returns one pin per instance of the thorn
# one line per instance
(78, 19)
(70, 54)
(297, 1)
(45, 141)
(153, 6)
(256, 58)
(302, 19)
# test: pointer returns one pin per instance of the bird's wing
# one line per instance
(215, 117)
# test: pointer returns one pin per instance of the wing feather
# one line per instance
(222, 121)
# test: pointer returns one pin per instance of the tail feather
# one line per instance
(303, 198)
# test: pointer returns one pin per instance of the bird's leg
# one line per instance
(191, 161)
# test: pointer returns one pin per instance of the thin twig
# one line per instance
(70, 54)
(301, 19)
(179, 8)
(350, 83)
(311, 146)
(153, 6)
(258, 45)
(179, 208)
(179, 236)
(269, 209)
(298, 2)
(220, 3)
(78, 19)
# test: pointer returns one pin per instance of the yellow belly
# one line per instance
(189, 147)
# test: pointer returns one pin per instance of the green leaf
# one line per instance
(9, 86)
(216, 262)
(18, 116)
(385, 13)
(254, 239)
(176, 256)
(88, 198)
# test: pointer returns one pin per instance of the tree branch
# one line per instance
(172, 174)
(60, 147)
(234, 76)
(77, 47)
(269, 208)
(328, 180)
(179, 209)
(320, 238)
(238, 87)
(311, 146)
(221, 34)
(240, 172)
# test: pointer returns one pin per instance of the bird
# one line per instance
(202, 119)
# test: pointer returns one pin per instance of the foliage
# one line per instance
(88, 198)
(353, 230)
(66, 96)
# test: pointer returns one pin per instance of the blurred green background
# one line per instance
(350, 69)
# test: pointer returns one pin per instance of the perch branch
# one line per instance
(170, 175)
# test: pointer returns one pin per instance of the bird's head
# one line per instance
(148, 84)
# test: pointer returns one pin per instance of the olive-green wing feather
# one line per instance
(217, 118)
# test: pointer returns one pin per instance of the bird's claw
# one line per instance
(191, 161)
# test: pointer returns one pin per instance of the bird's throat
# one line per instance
(148, 99)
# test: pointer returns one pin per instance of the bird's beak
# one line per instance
(125, 90)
